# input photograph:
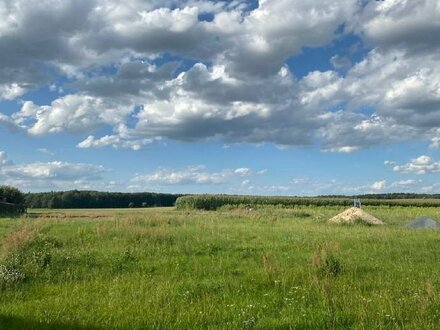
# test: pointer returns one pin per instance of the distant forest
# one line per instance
(76, 199)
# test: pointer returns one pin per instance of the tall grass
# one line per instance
(266, 268)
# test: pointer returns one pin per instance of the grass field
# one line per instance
(267, 268)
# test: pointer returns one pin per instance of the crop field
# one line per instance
(264, 267)
(214, 202)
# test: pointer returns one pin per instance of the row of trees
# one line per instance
(76, 199)
(13, 200)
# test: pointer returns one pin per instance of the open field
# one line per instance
(266, 268)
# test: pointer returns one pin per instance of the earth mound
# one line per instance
(355, 215)
(423, 223)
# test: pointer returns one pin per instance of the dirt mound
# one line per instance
(423, 223)
(355, 215)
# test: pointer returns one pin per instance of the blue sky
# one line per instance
(273, 97)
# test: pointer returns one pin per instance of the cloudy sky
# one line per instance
(276, 97)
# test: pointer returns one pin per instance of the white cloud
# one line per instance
(402, 90)
(340, 62)
(420, 165)
(243, 171)
(11, 91)
(243, 93)
(73, 113)
(205, 103)
(46, 151)
(193, 175)
(115, 141)
(378, 185)
(408, 182)
(56, 170)
(431, 188)
(435, 140)
(435, 143)
(50, 175)
(342, 149)
(279, 29)
(404, 24)
(4, 159)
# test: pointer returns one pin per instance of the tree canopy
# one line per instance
(11, 195)
(96, 199)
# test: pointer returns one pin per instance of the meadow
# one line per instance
(234, 268)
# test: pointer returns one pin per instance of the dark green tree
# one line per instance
(11, 195)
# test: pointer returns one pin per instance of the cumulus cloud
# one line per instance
(406, 24)
(72, 113)
(53, 170)
(340, 62)
(420, 165)
(378, 185)
(435, 139)
(11, 91)
(279, 29)
(403, 91)
(37, 37)
(4, 159)
(115, 141)
(194, 175)
(435, 143)
(50, 175)
(240, 88)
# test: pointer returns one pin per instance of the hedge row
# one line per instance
(213, 202)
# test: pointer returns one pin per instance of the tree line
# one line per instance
(77, 199)
(13, 200)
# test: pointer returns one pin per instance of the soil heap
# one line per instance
(355, 215)
(423, 223)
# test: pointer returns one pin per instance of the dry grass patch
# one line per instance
(16, 239)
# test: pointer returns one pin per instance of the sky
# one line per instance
(269, 97)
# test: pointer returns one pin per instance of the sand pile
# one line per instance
(424, 223)
(354, 215)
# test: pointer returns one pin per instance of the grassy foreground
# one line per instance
(268, 268)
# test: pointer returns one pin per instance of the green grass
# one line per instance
(270, 268)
